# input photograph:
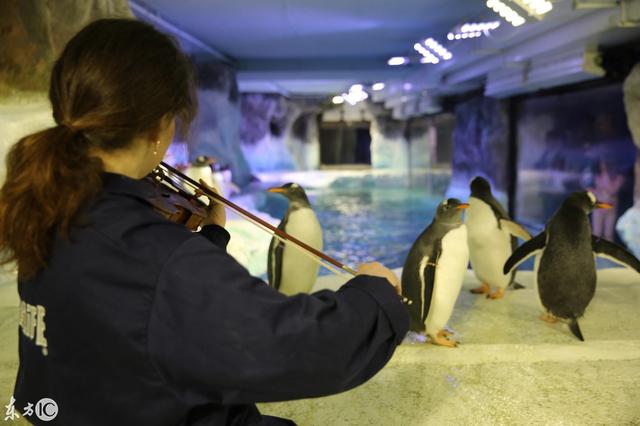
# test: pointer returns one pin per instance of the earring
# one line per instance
(155, 150)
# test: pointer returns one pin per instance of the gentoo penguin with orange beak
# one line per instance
(434, 270)
(492, 238)
(289, 270)
(565, 267)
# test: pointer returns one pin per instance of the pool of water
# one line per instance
(373, 218)
(367, 223)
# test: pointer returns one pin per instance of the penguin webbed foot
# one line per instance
(441, 339)
(497, 294)
(445, 333)
(483, 289)
(547, 317)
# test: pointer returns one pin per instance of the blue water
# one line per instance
(370, 221)
(366, 224)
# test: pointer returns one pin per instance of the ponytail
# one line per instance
(115, 81)
(50, 177)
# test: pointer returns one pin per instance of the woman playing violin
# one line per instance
(127, 318)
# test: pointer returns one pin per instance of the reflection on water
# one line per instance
(367, 224)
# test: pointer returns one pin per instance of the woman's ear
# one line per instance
(165, 126)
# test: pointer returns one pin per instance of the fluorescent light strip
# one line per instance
(438, 48)
(506, 12)
(427, 56)
(538, 7)
(479, 26)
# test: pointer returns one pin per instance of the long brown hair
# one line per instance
(115, 80)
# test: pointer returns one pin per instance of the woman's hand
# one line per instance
(216, 213)
(378, 270)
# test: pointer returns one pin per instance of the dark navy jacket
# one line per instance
(147, 323)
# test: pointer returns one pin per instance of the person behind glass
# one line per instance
(129, 319)
(606, 186)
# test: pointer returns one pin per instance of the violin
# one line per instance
(178, 199)
(173, 199)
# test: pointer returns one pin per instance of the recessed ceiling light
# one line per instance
(397, 60)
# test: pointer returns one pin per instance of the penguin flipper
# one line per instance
(531, 247)
(615, 253)
(274, 259)
(515, 229)
(429, 276)
(271, 265)
(575, 329)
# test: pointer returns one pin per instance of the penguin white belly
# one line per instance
(204, 173)
(450, 272)
(489, 246)
(299, 272)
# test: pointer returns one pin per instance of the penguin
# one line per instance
(492, 237)
(289, 270)
(434, 270)
(565, 268)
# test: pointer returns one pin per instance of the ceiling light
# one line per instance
(397, 60)
(438, 48)
(432, 60)
(377, 86)
(355, 97)
(536, 7)
(356, 94)
(506, 12)
(427, 56)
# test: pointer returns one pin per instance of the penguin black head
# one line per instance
(585, 201)
(480, 187)
(450, 211)
(294, 192)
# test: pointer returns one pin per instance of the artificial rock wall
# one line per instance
(215, 132)
(278, 133)
(33, 32)
(32, 35)
(628, 225)
(480, 145)
(401, 144)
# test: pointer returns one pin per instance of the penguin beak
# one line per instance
(462, 206)
(603, 205)
(277, 190)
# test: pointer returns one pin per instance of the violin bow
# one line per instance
(321, 258)
(324, 260)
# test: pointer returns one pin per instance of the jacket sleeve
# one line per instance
(216, 234)
(217, 334)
